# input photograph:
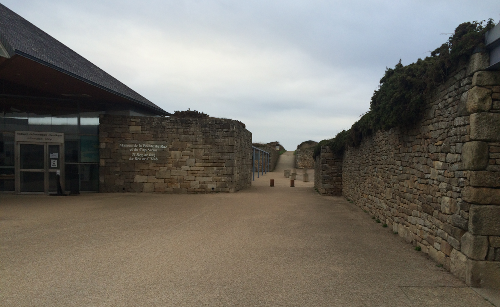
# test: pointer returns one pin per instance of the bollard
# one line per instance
(287, 173)
(271, 183)
(292, 183)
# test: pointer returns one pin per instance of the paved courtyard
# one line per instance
(261, 246)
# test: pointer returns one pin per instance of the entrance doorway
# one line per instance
(38, 162)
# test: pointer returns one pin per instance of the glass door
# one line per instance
(39, 167)
(54, 166)
(32, 167)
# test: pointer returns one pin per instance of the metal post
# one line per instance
(253, 165)
(263, 159)
(265, 163)
(262, 170)
(258, 165)
(268, 162)
(266, 158)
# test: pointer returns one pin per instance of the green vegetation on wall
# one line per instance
(307, 144)
(189, 114)
(401, 98)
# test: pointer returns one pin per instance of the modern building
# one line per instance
(50, 102)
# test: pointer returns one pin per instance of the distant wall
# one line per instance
(304, 155)
(328, 173)
(173, 155)
(304, 158)
(438, 184)
(274, 154)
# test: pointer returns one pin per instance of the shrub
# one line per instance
(337, 144)
(189, 114)
(307, 144)
(400, 99)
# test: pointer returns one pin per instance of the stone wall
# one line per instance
(304, 158)
(273, 153)
(304, 155)
(173, 155)
(328, 173)
(438, 185)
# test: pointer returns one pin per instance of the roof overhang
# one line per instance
(56, 84)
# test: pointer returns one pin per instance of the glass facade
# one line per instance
(81, 150)
(7, 161)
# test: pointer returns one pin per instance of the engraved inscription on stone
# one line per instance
(143, 152)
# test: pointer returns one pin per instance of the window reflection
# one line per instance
(32, 182)
(71, 148)
(89, 121)
(7, 169)
(40, 121)
(89, 148)
(6, 149)
(81, 148)
(14, 124)
(65, 124)
(65, 121)
(89, 177)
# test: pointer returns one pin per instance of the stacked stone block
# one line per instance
(304, 155)
(438, 185)
(481, 158)
(173, 155)
(328, 173)
(304, 158)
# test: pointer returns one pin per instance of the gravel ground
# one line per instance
(261, 246)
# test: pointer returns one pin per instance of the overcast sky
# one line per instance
(290, 70)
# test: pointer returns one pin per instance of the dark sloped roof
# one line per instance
(19, 36)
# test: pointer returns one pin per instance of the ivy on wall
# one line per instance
(400, 99)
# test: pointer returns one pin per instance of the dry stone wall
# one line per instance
(273, 155)
(173, 155)
(328, 173)
(304, 155)
(438, 185)
(304, 158)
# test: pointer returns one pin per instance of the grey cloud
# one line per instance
(291, 70)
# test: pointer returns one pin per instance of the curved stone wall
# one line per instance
(173, 155)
